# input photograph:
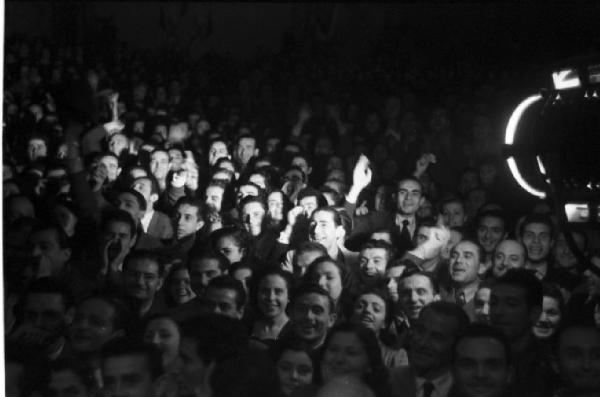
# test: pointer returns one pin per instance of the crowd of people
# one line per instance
(289, 226)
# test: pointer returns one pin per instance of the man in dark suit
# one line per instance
(430, 352)
(402, 222)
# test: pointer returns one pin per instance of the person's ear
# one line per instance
(65, 254)
(309, 171)
(256, 151)
(132, 241)
(70, 315)
(118, 334)
(421, 201)
(332, 318)
(119, 171)
(340, 233)
(161, 281)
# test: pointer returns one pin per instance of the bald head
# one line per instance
(509, 254)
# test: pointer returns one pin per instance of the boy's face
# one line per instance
(373, 262)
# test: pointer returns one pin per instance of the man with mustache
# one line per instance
(465, 262)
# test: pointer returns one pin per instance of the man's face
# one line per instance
(323, 229)
(129, 203)
(144, 187)
(538, 241)
(187, 221)
(142, 279)
(118, 143)
(509, 254)
(245, 150)
(222, 301)
(311, 317)
(36, 148)
(217, 150)
(480, 367)
(127, 376)
(175, 159)
(373, 262)
(93, 326)
(46, 250)
(464, 263)
(305, 258)
(246, 190)
(309, 204)
(510, 312)
(409, 197)
(213, 198)
(481, 302)
(563, 256)
(431, 341)
(301, 163)
(159, 165)
(65, 383)
(120, 232)
(112, 167)
(202, 271)
(414, 293)
(454, 214)
(46, 314)
(252, 217)
(369, 311)
(490, 232)
(579, 359)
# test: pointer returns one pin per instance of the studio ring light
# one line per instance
(555, 136)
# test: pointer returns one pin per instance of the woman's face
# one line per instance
(163, 333)
(328, 277)
(272, 295)
(228, 247)
(181, 287)
(549, 319)
(344, 355)
(295, 369)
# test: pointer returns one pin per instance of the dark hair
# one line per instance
(121, 314)
(129, 346)
(479, 330)
(230, 283)
(537, 218)
(377, 377)
(241, 237)
(337, 219)
(311, 288)
(47, 285)
(480, 249)
(492, 213)
(199, 253)
(452, 310)
(389, 249)
(143, 254)
(84, 374)
(415, 271)
(119, 216)
(61, 237)
(253, 199)
(409, 178)
(154, 188)
(192, 202)
(527, 282)
(138, 197)
(312, 192)
(310, 274)
(254, 285)
(552, 290)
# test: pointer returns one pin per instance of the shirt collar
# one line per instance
(441, 384)
(146, 220)
(411, 220)
(469, 291)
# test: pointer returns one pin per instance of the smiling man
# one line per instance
(373, 259)
(465, 262)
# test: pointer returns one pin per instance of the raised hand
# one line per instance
(293, 214)
(179, 178)
(361, 209)
(423, 162)
(362, 174)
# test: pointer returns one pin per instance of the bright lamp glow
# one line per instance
(566, 79)
(509, 139)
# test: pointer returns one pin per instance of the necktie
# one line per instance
(405, 233)
(427, 389)
(460, 298)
